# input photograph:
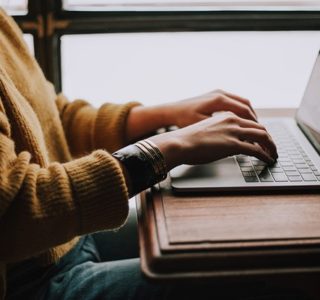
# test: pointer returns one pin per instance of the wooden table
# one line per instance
(229, 237)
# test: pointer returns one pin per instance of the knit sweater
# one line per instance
(57, 180)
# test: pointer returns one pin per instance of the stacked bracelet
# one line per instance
(144, 163)
(156, 158)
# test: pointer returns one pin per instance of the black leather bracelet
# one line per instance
(138, 166)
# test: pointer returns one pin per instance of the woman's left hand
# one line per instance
(144, 120)
(189, 111)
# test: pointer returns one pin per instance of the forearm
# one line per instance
(85, 195)
(144, 121)
(87, 128)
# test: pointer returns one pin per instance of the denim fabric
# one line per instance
(92, 271)
(82, 275)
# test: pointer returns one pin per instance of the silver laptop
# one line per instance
(298, 165)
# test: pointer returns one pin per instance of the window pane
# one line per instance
(29, 40)
(191, 5)
(15, 7)
(270, 68)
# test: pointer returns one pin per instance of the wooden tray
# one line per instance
(227, 236)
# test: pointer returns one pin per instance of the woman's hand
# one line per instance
(216, 137)
(143, 120)
(189, 111)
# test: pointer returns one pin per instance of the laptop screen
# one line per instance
(308, 114)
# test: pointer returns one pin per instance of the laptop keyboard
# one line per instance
(293, 164)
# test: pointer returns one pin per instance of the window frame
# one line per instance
(47, 21)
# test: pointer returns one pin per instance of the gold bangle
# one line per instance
(160, 158)
(152, 159)
(160, 155)
(155, 156)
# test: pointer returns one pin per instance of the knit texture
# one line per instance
(57, 180)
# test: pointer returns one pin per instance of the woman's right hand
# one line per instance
(222, 135)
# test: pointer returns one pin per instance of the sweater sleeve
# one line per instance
(88, 128)
(44, 207)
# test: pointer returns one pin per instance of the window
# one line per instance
(163, 50)
(15, 7)
(29, 40)
(270, 68)
(189, 5)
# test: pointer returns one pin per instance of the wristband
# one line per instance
(144, 163)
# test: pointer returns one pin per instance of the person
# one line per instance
(67, 170)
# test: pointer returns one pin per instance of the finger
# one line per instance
(254, 125)
(245, 123)
(237, 108)
(241, 99)
(255, 150)
(261, 137)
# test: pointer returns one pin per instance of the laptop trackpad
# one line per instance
(224, 172)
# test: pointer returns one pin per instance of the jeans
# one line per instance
(106, 266)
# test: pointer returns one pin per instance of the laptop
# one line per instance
(298, 165)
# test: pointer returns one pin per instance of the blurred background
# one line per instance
(156, 51)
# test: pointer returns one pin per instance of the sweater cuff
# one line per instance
(110, 126)
(99, 189)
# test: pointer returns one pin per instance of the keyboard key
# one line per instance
(295, 178)
(308, 177)
(247, 169)
(298, 161)
(287, 164)
(249, 174)
(313, 168)
(251, 178)
(292, 173)
(305, 171)
(284, 160)
(293, 152)
(245, 164)
(275, 170)
(289, 168)
(282, 153)
(279, 177)
(302, 166)
(317, 173)
(241, 158)
(295, 156)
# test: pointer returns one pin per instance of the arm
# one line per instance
(87, 128)
(205, 134)
(44, 207)
(223, 135)
(146, 120)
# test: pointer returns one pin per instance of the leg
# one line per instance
(120, 244)
(82, 275)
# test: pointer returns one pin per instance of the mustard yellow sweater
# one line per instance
(47, 198)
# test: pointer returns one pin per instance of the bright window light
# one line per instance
(191, 5)
(15, 7)
(29, 40)
(269, 68)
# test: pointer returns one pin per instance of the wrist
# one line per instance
(171, 148)
(143, 165)
(143, 120)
